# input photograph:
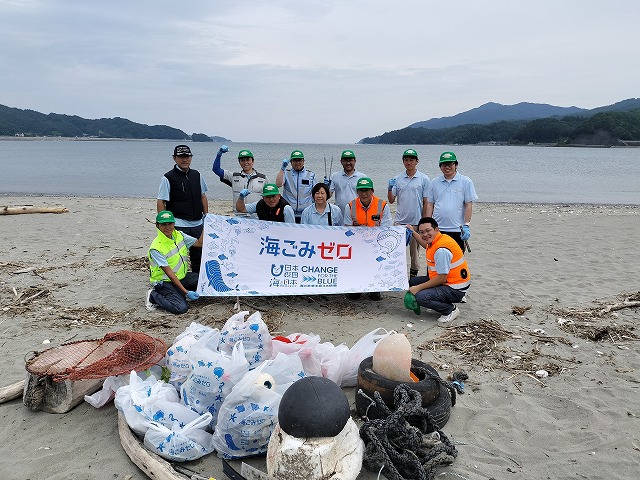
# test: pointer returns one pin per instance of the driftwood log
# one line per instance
(42, 393)
(151, 464)
(8, 210)
(12, 391)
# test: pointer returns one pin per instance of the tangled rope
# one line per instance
(403, 450)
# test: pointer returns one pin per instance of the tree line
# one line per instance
(29, 123)
(605, 128)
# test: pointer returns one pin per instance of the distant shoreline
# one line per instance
(217, 204)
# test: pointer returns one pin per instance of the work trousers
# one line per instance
(440, 298)
(166, 295)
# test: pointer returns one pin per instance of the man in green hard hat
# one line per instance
(343, 184)
(247, 178)
(172, 283)
(272, 207)
(450, 200)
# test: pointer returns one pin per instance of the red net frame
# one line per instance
(114, 354)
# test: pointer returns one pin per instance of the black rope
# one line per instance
(402, 450)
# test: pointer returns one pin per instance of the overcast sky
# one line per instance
(311, 71)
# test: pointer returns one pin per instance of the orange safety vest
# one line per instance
(364, 217)
(459, 276)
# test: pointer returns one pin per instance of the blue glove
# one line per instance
(465, 232)
(392, 183)
(223, 149)
(285, 164)
(327, 181)
(193, 295)
(244, 193)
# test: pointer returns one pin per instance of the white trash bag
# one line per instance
(136, 400)
(253, 333)
(250, 412)
(213, 375)
(362, 349)
(177, 354)
(180, 443)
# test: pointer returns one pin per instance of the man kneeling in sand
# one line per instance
(448, 273)
(168, 254)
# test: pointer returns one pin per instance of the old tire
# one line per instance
(369, 382)
(440, 409)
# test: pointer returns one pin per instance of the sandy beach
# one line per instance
(548, 286)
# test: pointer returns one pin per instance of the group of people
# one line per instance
(428, 208)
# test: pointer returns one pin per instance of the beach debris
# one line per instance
(480, 343)
(128, 263)
(542, 374)
(16, 210)
(12, 391)
(305, 445)
(392, 358)
(539, 331)
(520, 310)
(400, 450)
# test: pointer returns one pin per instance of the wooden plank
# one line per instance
(12, 391)
(9, 210)
(42, 393)
(151, 464)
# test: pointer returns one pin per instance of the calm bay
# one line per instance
(132, 168)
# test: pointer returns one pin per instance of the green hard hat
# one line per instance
(297, 155)
(411, 303)
(165, 216)
(270, 189)
(410, 152)
(348, 154)
(364, 183)
(448, 157)
(244, 154)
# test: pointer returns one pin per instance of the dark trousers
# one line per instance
(168, 296)
(195, 253)
(456, 237)
(440, 298)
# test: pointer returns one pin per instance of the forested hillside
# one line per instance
(605, 128)
(14, 121)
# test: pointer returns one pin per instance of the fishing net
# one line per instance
(117, 353)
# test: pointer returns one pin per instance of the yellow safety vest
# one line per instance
(175, 251)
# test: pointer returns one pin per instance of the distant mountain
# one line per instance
(617, 124)
(495, 112)
(29, 123)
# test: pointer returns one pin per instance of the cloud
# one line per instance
(312, 71)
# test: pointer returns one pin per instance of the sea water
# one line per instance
(129, 168)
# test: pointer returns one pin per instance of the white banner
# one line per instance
(243, 256)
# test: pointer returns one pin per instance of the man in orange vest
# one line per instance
(366, 211)
(448, 276)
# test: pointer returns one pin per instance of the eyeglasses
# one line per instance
(245, 159)
(447, 164)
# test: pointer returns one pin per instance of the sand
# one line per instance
(546, 262)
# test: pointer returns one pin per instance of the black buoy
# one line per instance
(313, 407)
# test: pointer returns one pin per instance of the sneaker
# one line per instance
(413, 272)
(150, 306)
(375, 296)
(448, 318)
(463, 299)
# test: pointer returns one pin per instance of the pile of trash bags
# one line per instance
(219, 390)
